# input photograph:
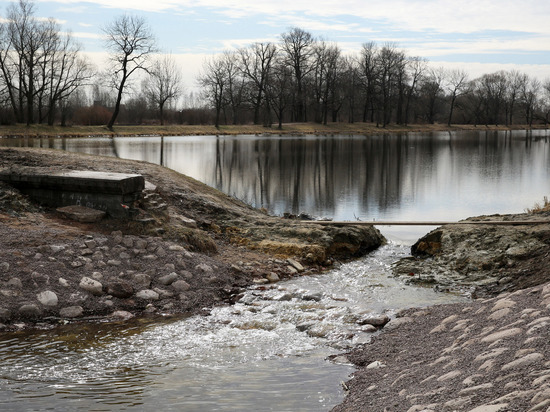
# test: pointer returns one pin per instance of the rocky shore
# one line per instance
(490, 355)
(189, 247)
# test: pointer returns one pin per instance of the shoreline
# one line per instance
(189, 247)
(36, 131)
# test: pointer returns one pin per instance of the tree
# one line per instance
(213, 80)
(297, 45)
(131, 43)
(164, 83)
(368, 67)
(279, 89)
(256, 64)
(457, 85)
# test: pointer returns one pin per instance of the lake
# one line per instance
(414, 176)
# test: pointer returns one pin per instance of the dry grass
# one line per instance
(545, 207)
(202, 130)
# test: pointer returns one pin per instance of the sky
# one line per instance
(479, 36)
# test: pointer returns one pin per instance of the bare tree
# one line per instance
(457, 85)
(256, 63)
(131, 43)
(164, 83)
(213, 80)
(279, 89)
(297, 47)
(368, 68)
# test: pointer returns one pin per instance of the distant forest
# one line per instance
(45, 78)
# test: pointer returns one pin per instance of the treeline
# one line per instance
(302, 79)
(45, 78)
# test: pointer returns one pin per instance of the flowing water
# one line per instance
(267, 352)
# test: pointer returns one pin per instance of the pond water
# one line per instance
(267, 352)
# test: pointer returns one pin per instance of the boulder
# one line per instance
(120, 289)
(91, 285)
(47, 298)
(147, 294)
(71, 312)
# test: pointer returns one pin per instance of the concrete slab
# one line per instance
(113, 193)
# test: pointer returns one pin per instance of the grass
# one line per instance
(201, 130)
(545, 207)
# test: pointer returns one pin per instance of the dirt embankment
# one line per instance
(189, 248)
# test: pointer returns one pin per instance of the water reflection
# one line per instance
(446, 175)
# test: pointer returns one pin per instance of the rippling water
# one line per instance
(267, 352)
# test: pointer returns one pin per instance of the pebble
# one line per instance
(71, 312)
(47, 298)
(91, 285)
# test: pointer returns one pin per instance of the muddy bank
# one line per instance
(492, 354)
(189, 247)
(481, 259)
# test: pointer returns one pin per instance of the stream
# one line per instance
(267, 352)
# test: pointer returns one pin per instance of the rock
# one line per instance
(272, 277)
(375, 365)
(5, 315)
(47, 298)
(120, 289)
(295, 264)
(71, 312)
(168, 279)
(122, 314)
(63, 282)
(316, 297)
(141, 280)
(181, 286)
(4, 267)
(90, 244)
(81, 214)
(29, 311)
(147, 294)
(377, 321)
(39, 279)
(140, 244)
(91, 285)
(14, 283)
(202, 267)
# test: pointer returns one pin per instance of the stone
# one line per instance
(168, 279)
(29, 311)
(490, 408)
(140, 244)
(5, 315)
(474, 389)
(377, 321)
(450, 375)
(296, 265)
(91, 285)
(375, 365)
(181, 286)
(524, 361)
(4, 267)
(122, 314)
(48, 298)
(141, 280)
(499, 314)
(147, 294)
(14, 283)
(71, 312)
(63, 282)
(502, 304)
(501, 335)
(81, 214)
(202, 267)
(316, 297)
(120, 289)
(272, 277)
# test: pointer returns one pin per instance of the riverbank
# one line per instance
(492, 354)
(189, 248)
(207, 130)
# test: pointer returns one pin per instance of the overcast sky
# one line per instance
(480, 36)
